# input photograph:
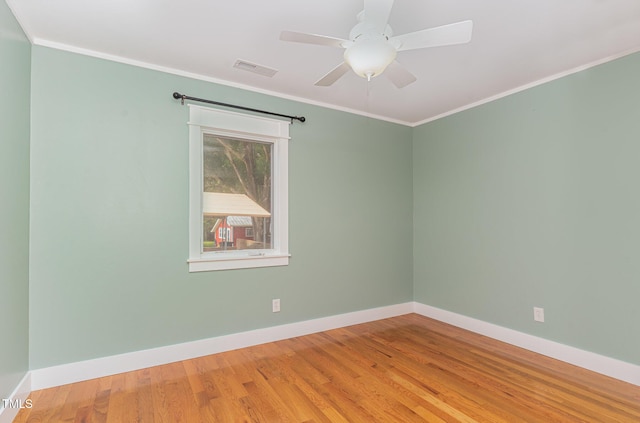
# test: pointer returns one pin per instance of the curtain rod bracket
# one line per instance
(183, 97)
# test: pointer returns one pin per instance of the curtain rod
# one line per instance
(183, 97)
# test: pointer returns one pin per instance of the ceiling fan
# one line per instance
(372, 48)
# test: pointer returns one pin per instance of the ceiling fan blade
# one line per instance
(455, 33)
(302, 37)
(377, 12)
(399, 75)
(335, 74)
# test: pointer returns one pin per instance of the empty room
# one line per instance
(337, 211)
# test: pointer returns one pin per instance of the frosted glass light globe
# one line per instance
(370, 57)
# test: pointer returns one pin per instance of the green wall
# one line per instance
(534, 200)
(15, 58)
(109, 222)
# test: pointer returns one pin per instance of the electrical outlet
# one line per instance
(275, 305)
(538, 314)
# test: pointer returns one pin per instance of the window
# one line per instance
(224, 234)
(238, 182)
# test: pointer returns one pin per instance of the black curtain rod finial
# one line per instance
(183, 97)
(177, 95)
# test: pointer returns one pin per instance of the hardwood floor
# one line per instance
(404, 369)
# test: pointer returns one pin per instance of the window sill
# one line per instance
(238, 262)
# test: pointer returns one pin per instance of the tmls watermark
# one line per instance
(16, 403)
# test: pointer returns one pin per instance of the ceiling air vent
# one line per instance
(252, 67)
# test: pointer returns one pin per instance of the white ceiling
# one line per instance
(515, 44)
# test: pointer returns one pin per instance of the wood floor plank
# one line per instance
(116, 406)
(52, 414)
(404, 369)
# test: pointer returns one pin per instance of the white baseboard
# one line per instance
(598, 363)
(21, 393)
(105, 366)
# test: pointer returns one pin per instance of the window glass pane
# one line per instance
(237, 194)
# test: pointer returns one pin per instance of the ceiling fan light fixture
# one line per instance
(372, 48)
(370, 57)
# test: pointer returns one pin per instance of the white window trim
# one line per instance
(220, 122)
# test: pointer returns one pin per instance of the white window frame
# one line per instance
(204, 120)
